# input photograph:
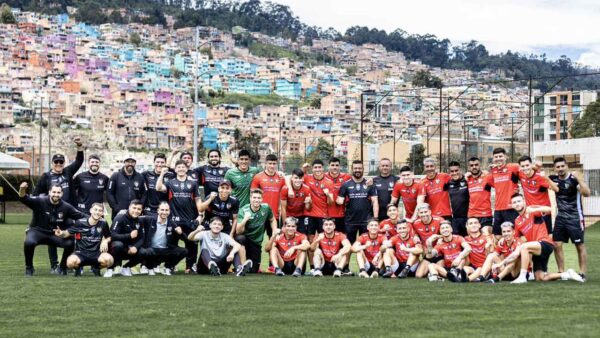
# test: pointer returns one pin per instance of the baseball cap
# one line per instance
(58, 157)
(129, 157)
(227, 182)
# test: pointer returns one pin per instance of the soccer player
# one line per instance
(434, 190)
(481, 246)
(387, 227)
(384, 184)
(402, 253)
(250, 231)
(127, 237)
(218, 250)
(63, 176)
(321, 197)
(211, 174)
(362, 203)
(299, 204)
(90, 186)
(160, 241)
(154, 197)
(221, 204)
(184, 200)
(49, 213)
(454, 250)
(331, 251)
(505, 179)
(188, 158)
(459, 198)
(241, 178)
(125, 186)
(270, 182)
(480, 203)
(287, 249)
(538, 245)
(92, 236)
(505, 246)
(408, 189)
(569, 222)
(368, 251)
(535, 187)
(424, 227)
(337, 178)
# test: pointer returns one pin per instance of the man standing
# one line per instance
(299, 204)
(459, 199)
(63, 176)
(535, 187)
(90, 186)
(384, 184)
(569, 223)
(211, 174)
(480, 203)
(221, 204)
(154, 197)
(362, 202)
(125, 186)
(321, 196)
(49, 213)
(505, 179)
(270, 182)
(337, 178)
(241, 178)
(434, 190)
(127, 237)
(408, 189)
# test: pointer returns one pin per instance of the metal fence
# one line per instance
(591, 205)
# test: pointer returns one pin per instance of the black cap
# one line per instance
(58, 157)
(94, 157)
(227, 182)
(186, 153)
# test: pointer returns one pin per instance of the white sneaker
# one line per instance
(531, 276)
(574, 276)
(375, 274)
(157, 269)
(363, 274)
(519, 280)
(337, 273)
(167, 272)
(144, 270)
(317, 273)
(126, 272)
(433, 278)
(108, 273)
(117, 270)
(151, 272)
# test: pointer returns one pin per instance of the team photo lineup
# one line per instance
(471, 224)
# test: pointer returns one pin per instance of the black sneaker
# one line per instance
(479, 279)
(388, 273)
(96, 271)
(347, 272)
(297, 272)
(493, 280)
(77, 272)
(463, 276)
(54, 270)
(279, 272)
(404, 273)
(453, 276)
(29, 270)
(214, 269)
(583, 276)
(62, 271)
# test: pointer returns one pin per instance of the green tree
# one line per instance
(6, 15)
(315, 102)
(323, 151)
(249, 141)
(116, 17)
(134, 39)
(423, 78)
(351, 70)
(588, 125)
(416, 157)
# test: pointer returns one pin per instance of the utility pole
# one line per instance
(279, 146)
(49, 131)
(394, 153)
(333, 145)
(41, 135)
(196, 105)
(530, 121)
(361, 127)
(441, 109)
(512, 138)
(305, 149)
(448, 121)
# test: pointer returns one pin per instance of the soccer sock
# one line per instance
(523, 273)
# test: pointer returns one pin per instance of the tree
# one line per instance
(6, 15)
(315, 102)
(351, 70)
(249, 141)
(134, 39)
(423, 78)
(588, 125)
(416, 157)
(323, 151)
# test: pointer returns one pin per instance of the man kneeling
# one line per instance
(287, 250)
(331, 251)
(92, 236)
(218, 250)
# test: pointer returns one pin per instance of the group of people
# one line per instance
(443, 226)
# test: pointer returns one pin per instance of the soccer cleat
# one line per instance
(479, 279)
(151, 272)
(363, 274)
(157, 269)
(337, 273)
(297, 272)
(214, 269)
(77, 272)
(583, 277)
(54, 270)
(493, 280)
(143, 270)
(375, 274)
(167, 272)
(463, 276)
(519, 280)
(108, 273)
(126, 272)
(239, 271)
(453, 276)
(318, 273)
(404, 273)
(434, 278)
(388, 273)
(530, 276)
(29, 271)
(62, 271)
(247, 266)
(575, 276)
(278, 272)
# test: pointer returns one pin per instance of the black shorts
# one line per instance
(447, 218)
(340, 225)
(540, 263)
(253, 251)
(314, 225)
(501, 216)
(565, 229)
(87, 258)
(328, 268)
(485, 221)
(548, 221)
(222, 263)
(434, 260)
(351, 230)
(459, 226)
(288, 267)
(303, 225)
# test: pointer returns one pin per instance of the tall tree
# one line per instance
(416, 157)
(588, 125)
(6, 15)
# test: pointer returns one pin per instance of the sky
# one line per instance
(553, 27)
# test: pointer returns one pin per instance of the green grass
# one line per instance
(248, 102)
(264, 305)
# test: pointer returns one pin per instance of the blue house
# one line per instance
(209, 138)
(290, 89)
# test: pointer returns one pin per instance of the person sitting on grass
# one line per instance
(402, 253)
(367, 248)
(481, 246)
(218, 250)
(331, 251)
(538, 245)
(505, 246)
(453, 249)
(92, 236)
(287, 249)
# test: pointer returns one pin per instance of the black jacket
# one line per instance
(88, 189)
(149, 224)
(121, 229)
(122, 189)
(48, 216)
(64, 179)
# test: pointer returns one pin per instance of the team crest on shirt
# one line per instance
(228, 205)
(137, 225)
(136, 183)
(60, 215)
(220, 171)
(453, 245)
(391, 184)
(462, 183)
(189, 186)
(365, 187)
(98, 229)
(100, 181)
(567, 185)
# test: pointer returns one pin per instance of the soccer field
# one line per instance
(265, 305)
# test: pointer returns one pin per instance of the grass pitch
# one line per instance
(264, 305)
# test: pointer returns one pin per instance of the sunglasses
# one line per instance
(59, 162)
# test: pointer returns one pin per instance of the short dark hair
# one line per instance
(213, 151)
(334, 160)
(55, 185)
(517, 194)
(186, 153)
(244, 152)
(317, 161)
(135, 202)
(524, 158)
(404, 168)
(160, 155)
(96, 204)
(94, 157)
(559, 159)
(178, 162)
(256, 191)
(499, 151)
(357, 162)
(474, 158)
(271, 158)
(298, 172)
(389, 206)
(215, 218)
(453, 164)
(328, 219)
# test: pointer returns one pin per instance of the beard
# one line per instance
(214, 163)
(357, 175)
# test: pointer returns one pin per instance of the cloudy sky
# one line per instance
(554, 27)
